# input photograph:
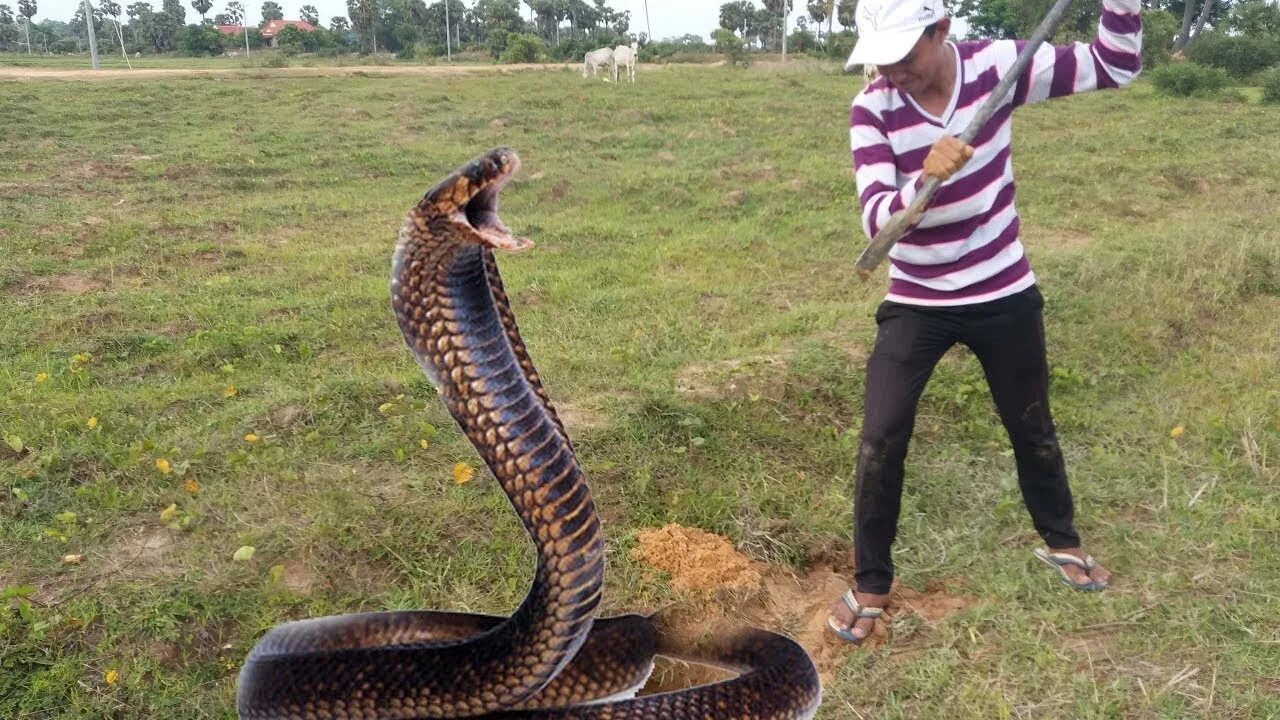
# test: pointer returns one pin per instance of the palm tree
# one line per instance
(27, 9)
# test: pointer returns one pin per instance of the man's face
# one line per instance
(913, 73)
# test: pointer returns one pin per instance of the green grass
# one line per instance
(193, 234)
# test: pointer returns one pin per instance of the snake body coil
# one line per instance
(552, 658)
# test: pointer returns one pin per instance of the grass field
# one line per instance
(192, 262)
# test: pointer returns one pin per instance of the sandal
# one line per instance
(859, 612)
(1058, 560)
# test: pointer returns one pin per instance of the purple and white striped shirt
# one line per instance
(965, 249)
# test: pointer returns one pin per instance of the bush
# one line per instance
(1271, 86)
(730, 45)
(1158, 29)
(523, 49)
(497, 42)
(197, 40)
(1189, 79)
(840, 45)
(1240, 56)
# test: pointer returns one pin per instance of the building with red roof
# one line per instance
(271, 31)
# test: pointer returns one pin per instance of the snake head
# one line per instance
(466, 201)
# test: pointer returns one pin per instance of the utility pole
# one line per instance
(448, 49)
(93, 40)
(648, 28)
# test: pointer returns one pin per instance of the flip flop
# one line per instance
(846, 633)
(1059, 560)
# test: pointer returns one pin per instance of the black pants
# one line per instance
(1007, 336)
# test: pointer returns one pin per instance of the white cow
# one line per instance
(596, 59)
(625, 55)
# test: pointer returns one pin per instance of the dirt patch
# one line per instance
(286, 416)
(1066, 239)
(1187, 183)
(719, 583)
(667, 156)
(72, 283)
(143, 546)
(560, 190)
(578, 417)
(94, 170)
(298, 578)
(739, 379)
(696, 560)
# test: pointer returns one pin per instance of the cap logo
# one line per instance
(871, 14)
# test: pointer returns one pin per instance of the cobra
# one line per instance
(552, 657)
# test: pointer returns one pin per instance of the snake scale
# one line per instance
(551, 658)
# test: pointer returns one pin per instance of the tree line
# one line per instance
(561, 28)
(565, 29)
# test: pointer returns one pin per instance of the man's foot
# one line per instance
(1078, 570)
(853, 616)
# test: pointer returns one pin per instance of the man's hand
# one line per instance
(946, 158)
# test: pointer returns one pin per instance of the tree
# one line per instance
(339, 25)
(310, 14)
(1256, 18)
(988, 18)
(271, 10)
(236, 10)
(27, 9)
(197, 40)
(111, 9)
(818, 12)
(202, 7)
(500, 15)
(845, 13)
(364, 18)
(736, 16)
(8, 28)
(781, 9)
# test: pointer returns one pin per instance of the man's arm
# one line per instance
(1112, 60)
(876, 172)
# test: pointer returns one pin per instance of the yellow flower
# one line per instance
(163, 466)
(462, 473)
(169, 514)
(91, 423)
(251, 438)
(41, 377)
(112, 676)
(191, 486)
(81, 358)
(72, 559)
(1177, 432)
(424, 444)
(229, 391)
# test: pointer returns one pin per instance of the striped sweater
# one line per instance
(966, 249)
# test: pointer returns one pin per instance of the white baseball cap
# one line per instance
(888, 29)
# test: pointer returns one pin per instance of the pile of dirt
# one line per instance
(696, 560)
(717, 583)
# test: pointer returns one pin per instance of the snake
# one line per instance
(552, 658)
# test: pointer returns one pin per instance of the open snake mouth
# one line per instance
(480, 213)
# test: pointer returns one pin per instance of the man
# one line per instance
(960, 275)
